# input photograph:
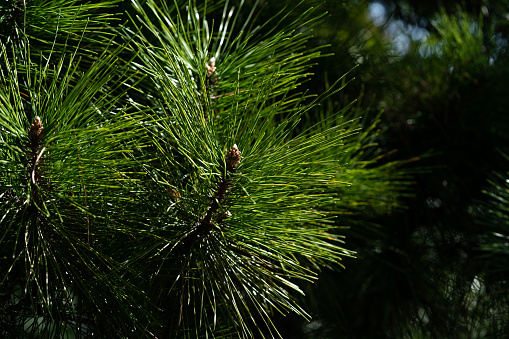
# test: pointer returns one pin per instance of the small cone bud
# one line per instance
(35, 128)
(211, 66)
(232, 157)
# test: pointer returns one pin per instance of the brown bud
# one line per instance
(211, 67)
(35, 128)
(232, 157)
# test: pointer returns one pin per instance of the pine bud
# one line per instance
(35, 128)
(232, 158)
(211, 67)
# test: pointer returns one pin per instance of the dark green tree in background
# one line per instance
(170, 175)
(430, 270)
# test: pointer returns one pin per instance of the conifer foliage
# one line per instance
(157, 178)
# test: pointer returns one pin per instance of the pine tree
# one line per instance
(167, 177)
